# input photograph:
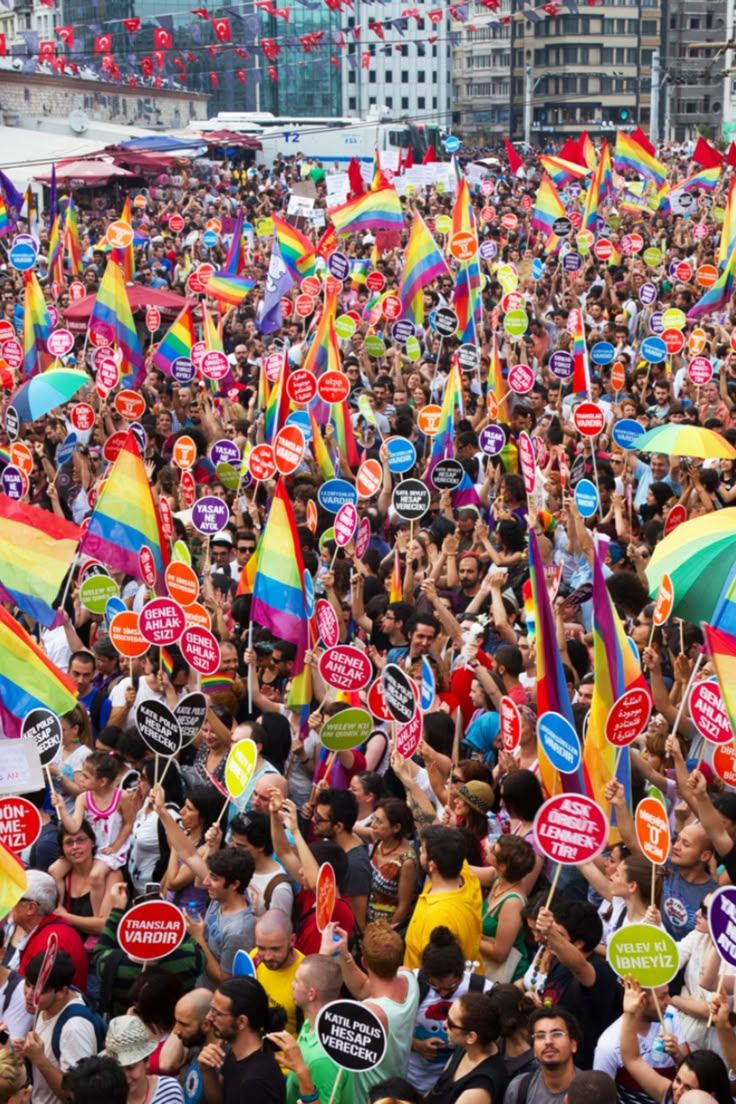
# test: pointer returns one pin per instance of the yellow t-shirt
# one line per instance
(458, 909)
(277, 984)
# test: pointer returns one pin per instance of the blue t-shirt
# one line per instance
(681, 901)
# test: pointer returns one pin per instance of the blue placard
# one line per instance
(65, 449)
(114, 605)
(243, 965)
(432, 319)
(210, 239)
(452, 144)
(560, 742)
(402, 456)
(626, 433)
(22, 256)
(537, 269)
(653, 349)
(308, 593)
(335, 493)
(602, 352)
(301, 418)
(586, 498)
(427, 689)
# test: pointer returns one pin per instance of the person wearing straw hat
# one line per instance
(128, 1041)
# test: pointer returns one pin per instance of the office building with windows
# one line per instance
(481, 74)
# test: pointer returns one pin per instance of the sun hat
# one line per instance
(128, 1041)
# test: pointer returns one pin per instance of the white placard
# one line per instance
(20, 767)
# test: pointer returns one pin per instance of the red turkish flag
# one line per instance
(365, 59)
(377, 28)
(213, 79)
(66, 34)
(103, 44)
(3, 46)
(47, 50)
(162, 40)
(222, 30)
(704, 154)
(158, 57)
(273, 73)
(132, 25)
(731, 155)
(435, 16)
(147, 66)
(241, 75)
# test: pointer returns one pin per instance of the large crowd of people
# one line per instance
(488, 974)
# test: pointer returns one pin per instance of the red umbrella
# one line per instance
(85, 172)
(140, 298)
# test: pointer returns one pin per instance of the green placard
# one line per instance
(228, 476)
(374, 346)
(646, 953)
(412, 348)
(674, 319)
(515, 322)
(652, 256)
(346, 730)
(345, 326)
(181, 552)
(442, 224)
(95, 592)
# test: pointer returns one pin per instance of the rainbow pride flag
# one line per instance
(319, 449)
(126, 257)
(55, 264)
(227, 288)
(112, 317)
(32, 580)
(323, 354)
(72, 243)
(5, 226)
(466, 295)
(297, 251)
(581, 371)
(722, 651)
(719, 294)
(728, 230)
(277, 408)
(630, 155)
(212, 684)
(235, 260)
(396, 594)
(177, 341)
(561, 172)
(705, 179)
(496, 383)
(344, 437)
(442, 446)
(28, 678)
(125, 519)
(36, 328)
(13, 882)
(380, 210)
(547, 207)
(552, 694)
(587, 149)
(616, 671)
(423, 263)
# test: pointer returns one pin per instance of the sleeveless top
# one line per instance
(490, 927)
(401, 1019)
(106, 825)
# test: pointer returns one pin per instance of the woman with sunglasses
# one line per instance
(476, 1073)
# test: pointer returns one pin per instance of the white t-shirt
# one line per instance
(607, 1056)
(77, 1041)
(282, 895)
(16, 1019)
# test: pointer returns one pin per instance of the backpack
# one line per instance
(14, 980)
(476, 984)
(77, 1011)
(276, 881)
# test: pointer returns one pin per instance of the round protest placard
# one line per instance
(665, 601)
(327, 624)
(346, 730)
(447, 475)
(191, 713)
(411, 499)
(20, 823)
(47, 965)
(162, 621)
(708, 712)
(369, 478)
(409, 736)
(345, 668)
(200, 649)
(363, 538)
(95, 592)
(559, 742)
(151, 930)
(335, 493)
(376, 702)
(653, 830)
(158, 727)
(724, 763)
(527, 462)
(126, 635)
(646, 953)
(210, 515)
(261, 463)
(510, 723)
(182, 583)
(288, 449)
(325, 895)
(346, 520)
(722, 923)
(570, 829)
(240, 767)
(398, 693)
(352, 1035)
(628, 717)
(44, 728)
(402, 455)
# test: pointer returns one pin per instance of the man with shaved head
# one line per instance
(318, 981)
(277, 961)
(192, 1027)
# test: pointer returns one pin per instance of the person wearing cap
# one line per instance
(128, 1042)
(223, 555)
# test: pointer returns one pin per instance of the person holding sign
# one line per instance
(700, 1070)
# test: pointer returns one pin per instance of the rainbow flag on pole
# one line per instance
(297, 251)
(55, 264)
(379, 210)
(28, 678)
(581, 371)
(561, 171)
(125, 519)
(32, 580)
(722, 651)
(552, 694)
(112, 317)
(72, 243)
(616, 671)
(496, 384)
(126, 257)
(547, 207)
(177, 341)
(36, 328)
(630, 155)
(13, 881)
(423, 263)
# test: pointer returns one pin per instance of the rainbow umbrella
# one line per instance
(686, 440)
(700, 559)
(48, 390)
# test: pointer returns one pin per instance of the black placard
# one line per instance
(445, 321)
(159, 728)
(411, 499)
(191, 713)
(44, 727)
(398, 693)
(352, 1035)
(447, 475)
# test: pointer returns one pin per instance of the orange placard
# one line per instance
(706, 275)
(311, 516)
(724, 763)
(653, 830)
(618, 376)
(665, 601)
(185, 453)
(21, 457)
(119, 234)
(696, 341)
(463, 245)
(428, 419)
(492, 404)
(182, 583)
(369, 478)
(326, 895)
(126, 636)
(196, 614)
